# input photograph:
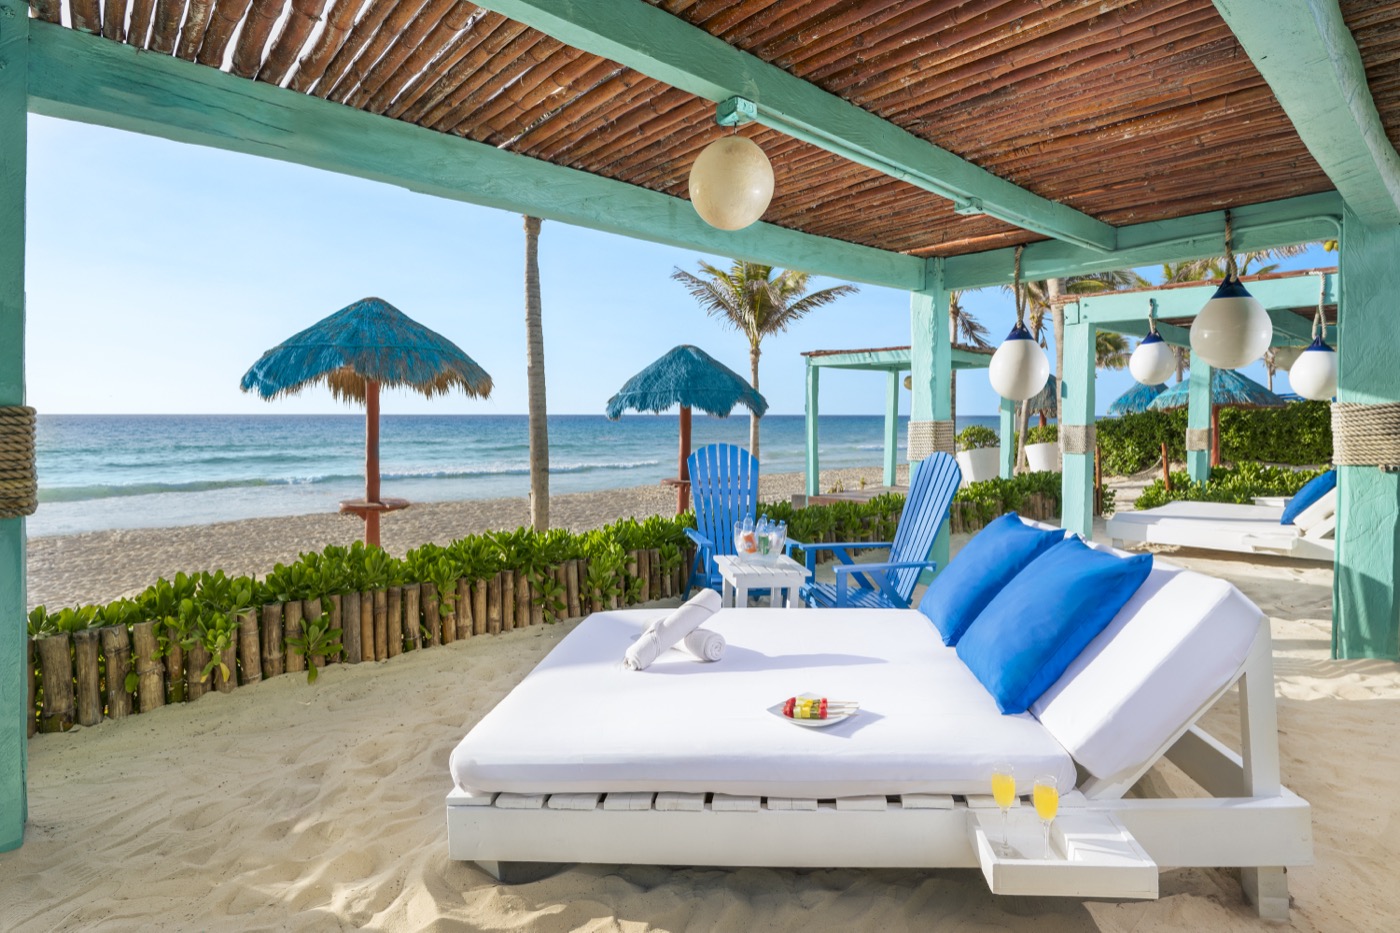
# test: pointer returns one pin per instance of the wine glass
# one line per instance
(1047, 803)
(1004, 793)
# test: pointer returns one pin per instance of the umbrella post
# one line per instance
(683, 487)
(371, 515)
(1215, 435)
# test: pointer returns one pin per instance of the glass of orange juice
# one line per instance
(1004, 793)
(1046, 797)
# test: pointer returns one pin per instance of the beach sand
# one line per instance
(292, 807)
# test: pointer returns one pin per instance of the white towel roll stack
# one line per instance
(672, 630)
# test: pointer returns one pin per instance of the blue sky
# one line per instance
(158, 272)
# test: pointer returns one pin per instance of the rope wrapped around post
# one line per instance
(927, 438)
(1198, 438)
(19, 484)
(1077, 438)
(1366, 435)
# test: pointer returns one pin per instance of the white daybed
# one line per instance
(1224, 526)
(682, 764)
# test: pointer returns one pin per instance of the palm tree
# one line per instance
(756, 301)
(965, 329)
(1110, 350)
(534, 376)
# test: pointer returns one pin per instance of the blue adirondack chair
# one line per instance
(724, 485)
(890, 584)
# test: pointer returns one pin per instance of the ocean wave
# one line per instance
(107, 491)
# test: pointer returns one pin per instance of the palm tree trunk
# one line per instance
(953, 399)
(1057, 322)
(1023, 420)
(534, 375)
(753, 416)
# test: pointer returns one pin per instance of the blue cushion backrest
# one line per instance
(1314, 489)
(1040, 621)
(985, 564)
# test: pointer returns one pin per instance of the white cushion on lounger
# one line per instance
(580, 723)
(1180, 639)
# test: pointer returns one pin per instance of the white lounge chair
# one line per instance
(1224, 526)
(684, 765)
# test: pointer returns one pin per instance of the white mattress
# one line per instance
(581, 723)
(1218, 525)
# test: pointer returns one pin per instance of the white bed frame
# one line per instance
(1106, 845)
(1310, 537)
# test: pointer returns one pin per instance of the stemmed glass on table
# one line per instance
(1047, 803)
(1004, 793)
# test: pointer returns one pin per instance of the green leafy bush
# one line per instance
(976, 436)
(1043, 434)
(1134, 442)
(1299, 434)
(1240, 483)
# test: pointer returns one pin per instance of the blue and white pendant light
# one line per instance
(1233, 329)
(1314, 374)
(1019, 368)
(1152, 360)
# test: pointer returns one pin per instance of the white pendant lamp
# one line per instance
(1152, 360)
(1233, 329)
(731, 183)
(1314, 373)
(1019, 368)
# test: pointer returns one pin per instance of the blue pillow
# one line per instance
(1028, 635)
(1314, 489)
(985, 564)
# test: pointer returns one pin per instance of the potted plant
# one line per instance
(1043, 449)
(979, 453)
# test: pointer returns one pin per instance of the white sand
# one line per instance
(287, 807)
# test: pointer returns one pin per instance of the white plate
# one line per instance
(777, 710)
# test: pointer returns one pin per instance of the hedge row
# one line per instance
(1299, 434)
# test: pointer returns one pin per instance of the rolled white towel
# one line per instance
(704, 644)
(671, 630)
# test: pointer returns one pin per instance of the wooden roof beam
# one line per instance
(75, 76)
(667, 48)
(1310, 60)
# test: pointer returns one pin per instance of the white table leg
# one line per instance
(797, 598)
(741, 595)
(727, 597)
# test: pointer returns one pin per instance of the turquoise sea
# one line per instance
(139, 471)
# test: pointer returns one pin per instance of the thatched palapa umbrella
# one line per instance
(1137, 399)
(354, 352)
(1043, 403)
(689, 377)
(1228, 389)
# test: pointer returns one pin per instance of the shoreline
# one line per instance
(100, 566)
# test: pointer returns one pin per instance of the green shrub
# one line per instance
(1134, 442)
(1299, 434)
(975, 436)
(1240, 483)
(1043, 434)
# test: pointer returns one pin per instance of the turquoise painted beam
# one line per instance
(1077, 388)
(14, 682)
(650, 40)
(1366, 606)
(1176, 336)
(1007, 432)
(1198, 417)
(891, 428)
(895, 359)
(1197, 236)
(1309, 58)
(931, 371)
(1109, 311)
(81, 77)
(811, 409)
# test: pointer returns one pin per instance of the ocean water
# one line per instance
(99, 472)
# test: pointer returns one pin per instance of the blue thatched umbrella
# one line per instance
(689, 377)
(1228, 389)
(1136, 399)
(354, 352)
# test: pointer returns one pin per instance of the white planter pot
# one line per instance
(1043, 457)
(980, 464)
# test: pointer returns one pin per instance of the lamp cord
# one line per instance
(1230, 270)
(1320, 319)
(1152, 316)
(1017, 291)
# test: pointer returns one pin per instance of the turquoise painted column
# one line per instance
(931, 374)
(1366, 611)
(813, 466)
(892, 428)
(1077, 432)
(1008, 438)
(1198, 421)
(14, 683)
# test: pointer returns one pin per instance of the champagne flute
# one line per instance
(1047, 804)
(1004, 793)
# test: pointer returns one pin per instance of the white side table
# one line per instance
(742, 574)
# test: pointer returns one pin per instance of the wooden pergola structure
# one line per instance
(914, 145)
(893, 362)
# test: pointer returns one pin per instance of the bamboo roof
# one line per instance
(1127, 110)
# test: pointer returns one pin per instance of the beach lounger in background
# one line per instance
(1224, 526)
(724, 487)
(684, 765)
(890, 583)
